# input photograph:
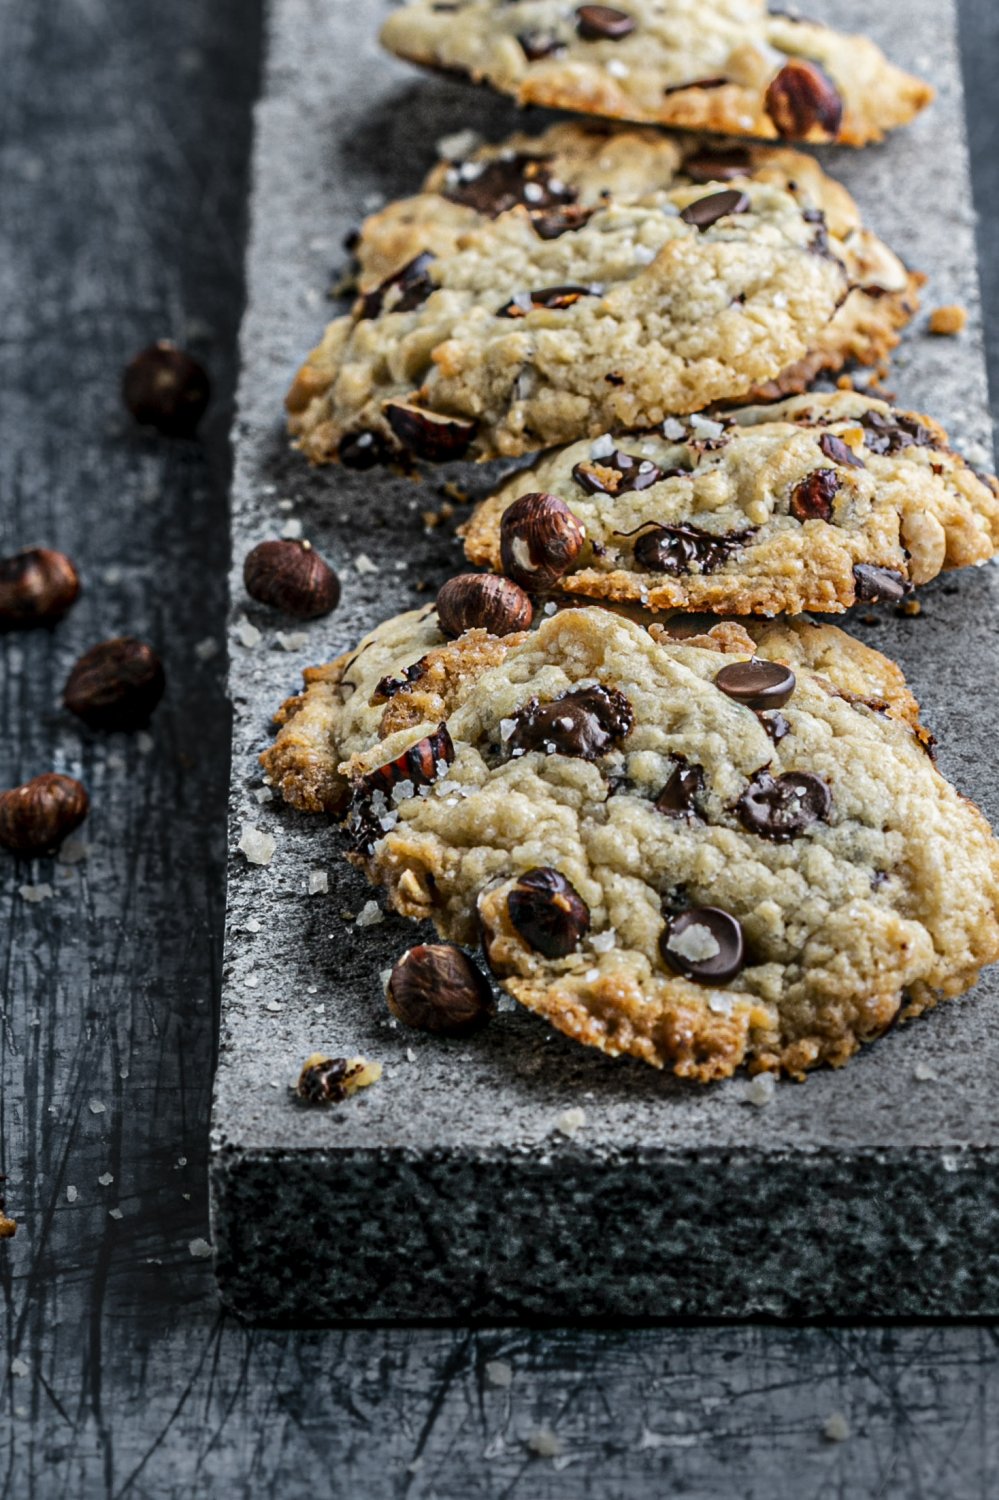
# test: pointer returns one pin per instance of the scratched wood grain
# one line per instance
(123, 147)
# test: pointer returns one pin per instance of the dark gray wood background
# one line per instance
(124, 140)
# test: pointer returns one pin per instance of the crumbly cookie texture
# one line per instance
(721, 65)
(515, 342)
(663, 865)
(556, 179)
(811, 504)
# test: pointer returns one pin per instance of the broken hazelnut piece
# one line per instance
(540, 539)
(292, 577)
(803, 99)
(437, 987)
(37, 587)
(36, 817)
(425, 434)
(548, 912)
(330, 1080)
(166, 388)
(483, 601)
(115, 685)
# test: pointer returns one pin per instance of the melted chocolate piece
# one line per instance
(688, 938)
(413, 283)
(886, 435)
(494, 187)
(839, 452)
(548, 912)
(549, 223)
(718, 166)
(678, 797)
(602, 23)
(812, 497)
(619, 474)
(538, 44)
(707, 211)
(775, 725)
(756, 683)
(874, 585)
(781, 810)
(695, 83)
(556, 297)
(387, 687)
(676, 550)
(587, 722)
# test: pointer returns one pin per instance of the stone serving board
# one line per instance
(446, 1190)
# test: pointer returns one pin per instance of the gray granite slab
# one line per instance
(446, 1191)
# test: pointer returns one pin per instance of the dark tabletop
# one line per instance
(124, 143)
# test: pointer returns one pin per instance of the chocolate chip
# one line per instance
(718, 166)
(554, 298)
(839, 452)
(874, 585)
(757, 684)
(803, 99)
(781, 810)
(619, 474)
(676, 550)
(548, 912)
(678, 797)
(602, 23)
(887, 435)
(707, 211)
(494, 187)
(539, 44)
(812, 497)
(775, 725)
(412, 282)
(587, 723)
(427, 435)
(540, 539)
(549, 223)
(703, 943)
(362, 450)
(483, 601)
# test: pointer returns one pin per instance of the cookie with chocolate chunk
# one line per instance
(813, 504)
(513, 342)
(700, 64)
(556, 180)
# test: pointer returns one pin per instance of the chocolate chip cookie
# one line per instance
(514, 342)
(812, 504)
(557, 179)
(699, 64)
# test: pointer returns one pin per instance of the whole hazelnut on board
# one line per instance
(436, 987)
(37, 816)
(37, 587)
(540, 539)
(483, 601)
(166, 388)
(330, 1080)
(291, 576)
(115, 685)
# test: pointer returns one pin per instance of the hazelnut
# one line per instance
(330, 1080)
(115, 685)
(436, 987)
(802, 99)
(291, 576)
(37, 587)
(428, 435)
(8, 1227)
(165, 388)
(483, 601)
(540, 539)
(37, 816)
(548, 912)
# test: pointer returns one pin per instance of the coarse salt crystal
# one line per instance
(544, 1443)
(706, 427)
(36, 893)
(96, 1107)
(263, 794)
(106, 1179)
(694, 943)
(674, 430)
(247, 634)
(498, 1372)
(644, 255)
(571, 1121)
(363, 563)
(719, 1004)
(506, 728)
(551, 608)
(618, 69)
(318, 882)
(402, 790)
(19, 1367)
(292, 529)
(257, 845)
(251, 924)
(274, 1005)
(602, 447)
(291, 640)
(760, 1090)
(603, 942)
(836, 1428)
(71, 1194)
(207, 648)
(370, 915)
(199, 1248)
(925, 1073)
(458, 144)
(115, 1213)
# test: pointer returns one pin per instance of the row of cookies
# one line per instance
(700, 843)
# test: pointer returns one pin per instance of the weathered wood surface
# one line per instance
(123, 146)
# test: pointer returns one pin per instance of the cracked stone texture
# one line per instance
(446, 1190)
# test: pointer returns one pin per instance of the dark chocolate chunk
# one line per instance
(718, 166)
(539, 44)
(679, 549)
(586, 722)
(362, 450)
(412, 282)
(548, 912)
(703, 943)
(707, 211)
(839, 452)
(782, 809)
(619, 474)
(803, 99)
(775, 725)
(387, 687)
(602, 23)
(553, 297)
(756, 683)
(494, 187)
(678, 798)
(874, 585)
(886, 435)
(549, 223)
(812, 497)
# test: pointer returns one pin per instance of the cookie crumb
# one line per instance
(948, 320)
(836, 1429)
